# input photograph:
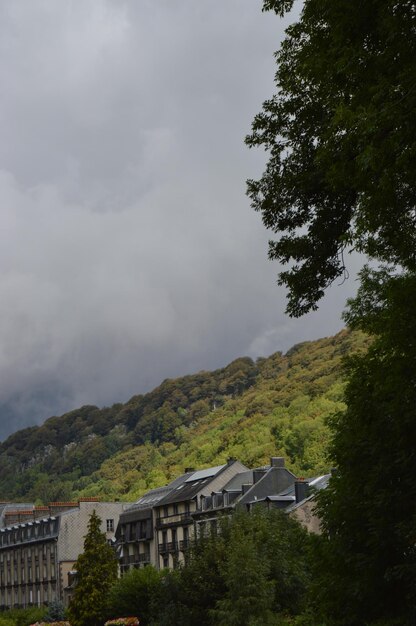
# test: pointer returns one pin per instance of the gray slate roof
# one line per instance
(142, 508)
(191, 486)
(274, 481)
(243, 478)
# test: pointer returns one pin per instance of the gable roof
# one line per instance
(237, 481)
(274, 481)
(192, 485)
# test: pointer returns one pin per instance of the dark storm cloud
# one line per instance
(128, 249)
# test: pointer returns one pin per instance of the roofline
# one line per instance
(223, 468)
(263, 477)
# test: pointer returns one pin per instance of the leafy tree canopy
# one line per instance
(368, 565)
(134, 593)
(253, 572)
(340, 133)
(341, 138)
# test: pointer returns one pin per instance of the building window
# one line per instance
(110, 525)
(143, 529)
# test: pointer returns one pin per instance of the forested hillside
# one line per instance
(249, 410)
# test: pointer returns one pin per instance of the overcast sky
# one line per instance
(129, 252)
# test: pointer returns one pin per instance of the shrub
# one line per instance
(123, 621)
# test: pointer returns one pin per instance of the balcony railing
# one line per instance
(179, 518)
(184, 544)
(135, 559)
(171, 546)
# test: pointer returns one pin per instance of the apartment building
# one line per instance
(135, 535)
(40, 545)
(156, 529)
(174, 513)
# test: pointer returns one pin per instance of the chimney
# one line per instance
(245, 487)
(257, 474)
(231, 460)
(189, 469)
(301, 489)
(334, 471)
(277, 461)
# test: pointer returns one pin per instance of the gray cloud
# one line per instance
(128, 250)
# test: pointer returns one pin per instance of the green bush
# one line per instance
(133, 594)
(7, 621)
(23, 617)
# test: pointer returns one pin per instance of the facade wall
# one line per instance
(305, 514)
(36, 557)
(28, 564)
(174, 528)
(74, 526)
(138, 544)
(219, 481)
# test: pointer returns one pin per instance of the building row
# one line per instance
(40, 545)
(157, 529)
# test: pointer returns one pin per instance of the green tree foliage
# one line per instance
(368, 569)
(76, 444)
(341, 137)
(341, 175)
(134, 594)
(23, 617)
(197, 587)
(284, 394)
(96, 571)
(56, 612)
(249, 588)
(253, 572)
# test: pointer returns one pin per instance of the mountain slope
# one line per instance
(249, 410)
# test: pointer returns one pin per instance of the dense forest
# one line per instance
(248, 410)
